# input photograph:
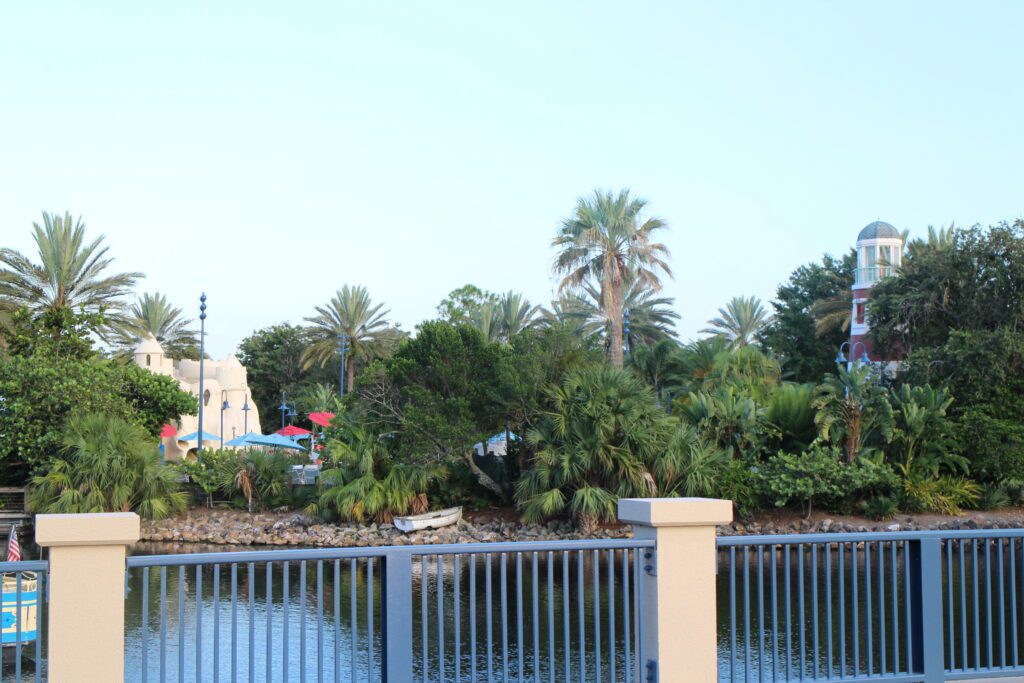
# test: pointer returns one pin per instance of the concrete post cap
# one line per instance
(664, 512)
(102, 528)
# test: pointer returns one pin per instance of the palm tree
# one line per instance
(515, 314)
(153, 314)
(740, 320)
(850, 406)
(487, 319)
(350, 312)
(834, 314)
(606, 242)
(71, 273)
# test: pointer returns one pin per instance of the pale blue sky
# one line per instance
(269, 154)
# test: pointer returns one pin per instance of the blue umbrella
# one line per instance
(194, 436)
(242, 440)
(273, 440)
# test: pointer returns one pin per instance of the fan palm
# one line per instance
(153, 314)
(605, 241)
(740, 320)
(350, 312)
(72, 272)
(487, 319)
(515, 314)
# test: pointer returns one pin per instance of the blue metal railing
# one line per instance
(23, 597)
(897, 606)
(536, 611)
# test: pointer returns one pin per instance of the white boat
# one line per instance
(430, 520)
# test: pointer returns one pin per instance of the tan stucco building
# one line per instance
(224, 380)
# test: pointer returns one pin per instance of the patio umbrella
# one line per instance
(274, 441)
(194, 436)
(292, 430)
(168, 431)
(322, 419)
(242, 440)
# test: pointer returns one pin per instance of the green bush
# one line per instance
(821, 474)
(994, 446)
(107, 464)
(879, 507)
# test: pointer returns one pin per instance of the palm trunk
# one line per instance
(613, 306)
(350, 371)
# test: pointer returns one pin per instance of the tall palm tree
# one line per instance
(350, 312)
(605, 241)
(739, 321)
(153, 314)
(487, 319)
(71, 273)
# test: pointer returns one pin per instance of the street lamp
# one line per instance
(245, 411)
(343, 347)
(202, 349)
(223, 406)
(863, 360)
(286, 409)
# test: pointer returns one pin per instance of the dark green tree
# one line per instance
(807, 353)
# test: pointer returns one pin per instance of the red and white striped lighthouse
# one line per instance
(879, 254)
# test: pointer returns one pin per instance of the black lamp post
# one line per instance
(202, 349)
(223, 406)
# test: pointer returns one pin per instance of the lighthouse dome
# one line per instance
(879, 230)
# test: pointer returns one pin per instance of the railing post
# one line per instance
(926, 619)
(679, 585)
(396, 611)
(86, 605)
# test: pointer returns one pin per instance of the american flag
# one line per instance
(13, 548)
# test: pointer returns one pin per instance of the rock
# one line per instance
(893, 527)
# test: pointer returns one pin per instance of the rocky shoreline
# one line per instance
(234, 528)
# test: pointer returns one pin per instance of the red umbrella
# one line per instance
(168, 431)
(292, 430)
(322, 419)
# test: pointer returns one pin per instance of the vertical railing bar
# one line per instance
(536, 620)
(503, 578)
(370, 668)
(906, 602)
(627, 659)
(472, 617)
(199, 622)
(457, 613)
(519, 618)
(163, 624)
(746, 614)
(895, 611)
(269, 578)
(302, 622)
(788, 550)
(1002, 603)
(234, 620)
(814, 605)
(828, 610)
(252, 622)
(320, 621)
(1011, 547)
(181, 624)
(551, 618)
(145, 622)
(775, 611)
(353, 610)
(611, 615)
(285, 618)
(760, 613)
(597, 615)
(951, 610)
(41, 602)
(638, 607)
(488, 616)
(881, 610)
(867, 610)
(988, 602)
(17, 624)
(424, 617)
(963, 605)
(216, 622)
(977, 601)
(840, 561)
(337, 621)
(567, 617)
(440, 617)
(732, 614)
(856, 609)
(580, 582)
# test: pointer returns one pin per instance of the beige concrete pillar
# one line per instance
(679, 608)
(85, 630)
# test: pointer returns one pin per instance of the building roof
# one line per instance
(149, 344)
(878, 230)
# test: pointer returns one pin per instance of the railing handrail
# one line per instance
(25, 566)
(862, 536)
(307, 554)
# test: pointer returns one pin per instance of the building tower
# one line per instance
(879, 254)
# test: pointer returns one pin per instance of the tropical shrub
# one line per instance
(726, 418)
(851, 409)
(690, 465)
(945, 494)
(821, 474)
(922, 438)
(790, 412)
(879, 507)
(106, 464)
(597, 442)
